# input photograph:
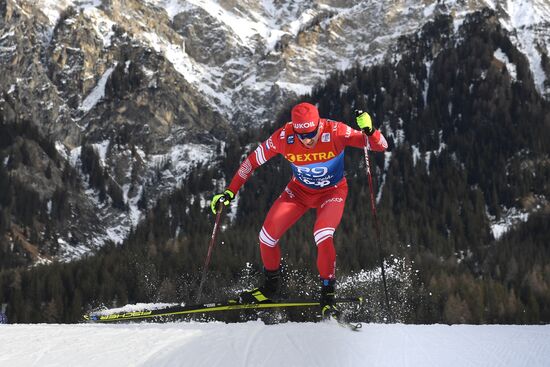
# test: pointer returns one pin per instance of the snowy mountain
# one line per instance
(237, 54)
(292, 344)
(154, 86)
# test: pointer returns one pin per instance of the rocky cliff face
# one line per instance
(154, 86)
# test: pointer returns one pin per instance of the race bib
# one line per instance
(322, 174)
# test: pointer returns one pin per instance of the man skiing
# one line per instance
(314, 147)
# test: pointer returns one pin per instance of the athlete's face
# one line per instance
(309, 140)
(310, 143)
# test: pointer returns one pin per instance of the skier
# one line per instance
(314, 147)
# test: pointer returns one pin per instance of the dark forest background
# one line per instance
(482, 138)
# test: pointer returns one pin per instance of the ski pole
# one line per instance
(376, 225)
(210, 247)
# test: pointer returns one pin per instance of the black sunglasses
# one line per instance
(310, 135)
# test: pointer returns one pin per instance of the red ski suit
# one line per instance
(318, 182)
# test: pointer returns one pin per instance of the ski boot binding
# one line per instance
(267, 292)
(328, 306)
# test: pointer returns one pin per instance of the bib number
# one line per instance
(313, 176)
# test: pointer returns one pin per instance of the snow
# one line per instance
(522, 13)
(429, 10)
(182, 157)
(299, 89)
(387, 160)
(426, 82)
(7, 49)
(10, 33)
(102, 25)
(243, 28)
(255, 344)
(101, 149)
(416, 155)
(296, 25)
(53, 8)
(524, 18)
(61, 150)
(70, 252)
(98, 92)
(134, 212)
(201, 76)
(508, 219)
(117, 234)
(502, 57)
(74, 154)
(172, 7)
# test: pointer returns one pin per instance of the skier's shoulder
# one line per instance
(335, 127)
(276, 140)
(286, 130)
(330, 123)
(284, 133)
(281, 133)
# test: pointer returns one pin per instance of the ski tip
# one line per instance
(353, 326)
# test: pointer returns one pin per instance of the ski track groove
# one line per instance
(273, 352)
(415, 341)
(251, 340)
(380, 346)
(500, 346)
(473, 344)
(354, 352)
(296, 345)
(538, 347)
(163, 355)
(348, 353)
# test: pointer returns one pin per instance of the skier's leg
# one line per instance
(329, 215)
(286, 210)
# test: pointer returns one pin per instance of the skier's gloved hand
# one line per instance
(224, 198)
(364, 122)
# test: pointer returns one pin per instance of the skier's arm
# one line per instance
(264, 152)
(377, 141)
(355, 138)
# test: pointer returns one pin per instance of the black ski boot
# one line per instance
(328, 292)
(268, 292)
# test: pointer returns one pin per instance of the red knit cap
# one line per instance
(305, 118)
